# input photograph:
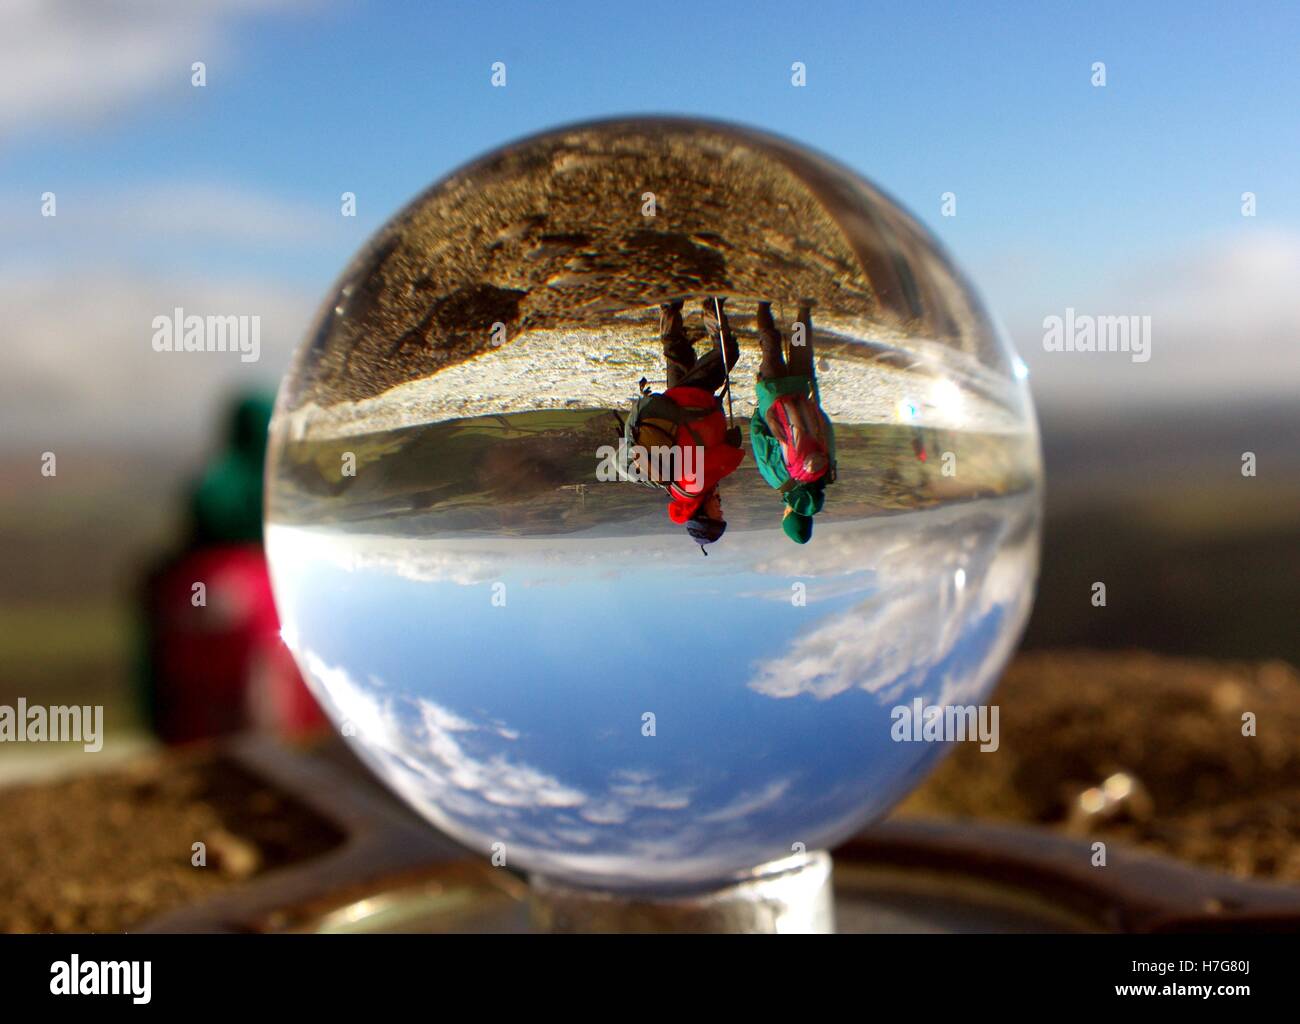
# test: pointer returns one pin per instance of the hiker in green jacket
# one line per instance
(792, 438)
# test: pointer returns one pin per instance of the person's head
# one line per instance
(707, 526)
(797, 526)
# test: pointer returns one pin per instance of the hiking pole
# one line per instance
(726, 370)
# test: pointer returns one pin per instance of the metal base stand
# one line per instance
(786, 896)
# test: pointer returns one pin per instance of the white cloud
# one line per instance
(79, 61)
(881, 644)
(108, 222)
(638, 789)
(444, 764)
(432, 749)
(1225, 325)
(916, 614)
(748, 803)
(77, 359)
(74, 344)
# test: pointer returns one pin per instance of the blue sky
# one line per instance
(523, 718)
(1122, 199)
(991, 101)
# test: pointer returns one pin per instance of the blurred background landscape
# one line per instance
(226, 199)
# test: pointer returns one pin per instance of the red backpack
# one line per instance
(799, 426)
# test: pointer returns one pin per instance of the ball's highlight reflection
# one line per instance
(551, 383)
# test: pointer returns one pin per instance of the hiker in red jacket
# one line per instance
(687, 421)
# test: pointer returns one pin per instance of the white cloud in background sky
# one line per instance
(1225, 327)
(196, 212)
(77, 361)
(75, 343)
(79, 296)
(75, 356)
(77, 60)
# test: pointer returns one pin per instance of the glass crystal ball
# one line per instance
(639, 665)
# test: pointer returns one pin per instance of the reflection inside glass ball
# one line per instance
(630, 481)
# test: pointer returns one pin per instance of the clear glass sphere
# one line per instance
(505, 606)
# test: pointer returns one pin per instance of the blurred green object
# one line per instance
(226, 503)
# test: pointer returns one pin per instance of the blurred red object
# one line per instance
(216, 662)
